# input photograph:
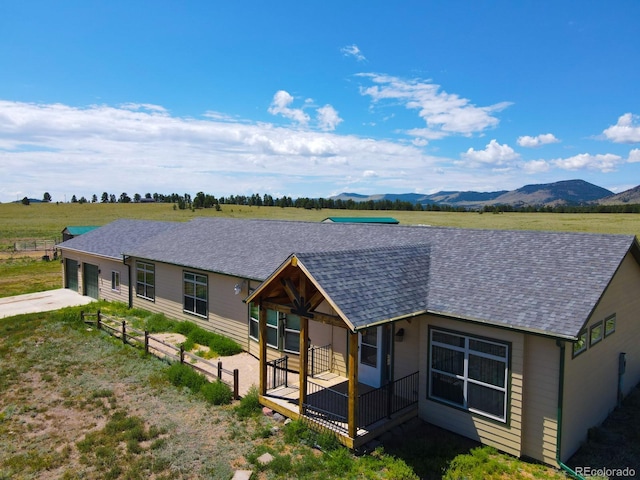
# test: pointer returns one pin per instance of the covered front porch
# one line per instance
(359, 402)
(327, 402)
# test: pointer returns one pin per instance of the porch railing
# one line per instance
(326, 406)
(329, 406)
(387, 400)
(319, 360)
(277, 372)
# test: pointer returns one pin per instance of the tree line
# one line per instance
(204, 200)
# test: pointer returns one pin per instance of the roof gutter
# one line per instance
(124, 261)
(564, 467)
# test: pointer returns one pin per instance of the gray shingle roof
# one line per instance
(376, 283)
(116, 238)
(541, 281)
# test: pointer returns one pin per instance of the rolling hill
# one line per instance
(567, 192)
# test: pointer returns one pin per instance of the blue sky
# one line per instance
(316, 98)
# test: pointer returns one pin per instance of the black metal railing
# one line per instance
(326, 406)
(387, 400)
(329, 405)
(319, 360)
(277, 372)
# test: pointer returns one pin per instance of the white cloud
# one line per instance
(444, 114)
(603, 162)
(494, 154)
(328, 118)
(532, 142)
(370, 174)
(69, 150)
(634, 156)
(627, 130)
(353, 51)
(536, 166)
(280, 106)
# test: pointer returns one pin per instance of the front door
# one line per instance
(90, 280)
(71, 274)
(370, 359)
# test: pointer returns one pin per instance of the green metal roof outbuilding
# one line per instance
(73, 231)
(386, 220)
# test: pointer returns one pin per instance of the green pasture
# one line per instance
(46, 221)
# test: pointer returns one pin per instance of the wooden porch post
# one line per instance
(352, 411)
(304, 362)
(262, 326)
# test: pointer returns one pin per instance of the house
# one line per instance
(522, 340)
(385, 220)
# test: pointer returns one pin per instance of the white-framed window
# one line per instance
(469, 372)
(195, 293)
(254, 321)
(146, 280)
(273, 329)
(291, 340)
(283, 330)
(115, 281)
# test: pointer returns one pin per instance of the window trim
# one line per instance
(286, 330)
(593, 327)
(606, 320)
(577, 351)
(115, 281)
(195, 297)
(467, 351)
(144, 267)
(280, 328)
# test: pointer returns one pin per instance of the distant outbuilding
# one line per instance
(73, 231)
(386, 220)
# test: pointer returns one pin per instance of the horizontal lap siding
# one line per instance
(105, 267)
(504, 437)
(540, 424)
(227, 313)
(594, 373)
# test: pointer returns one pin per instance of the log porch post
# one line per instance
(352, 408)
(262, 326)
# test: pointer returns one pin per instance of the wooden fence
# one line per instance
(162, 349)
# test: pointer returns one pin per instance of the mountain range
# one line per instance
(566, 192)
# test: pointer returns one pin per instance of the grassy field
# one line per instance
(22, 272)
(75, 403)
(82, 406)
(46, 221)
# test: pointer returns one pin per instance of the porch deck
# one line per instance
(379, 409)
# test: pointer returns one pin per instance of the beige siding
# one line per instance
(227, 313)
(591, 379)
(503, 436)
(405, 358)
(105, 266)
(319, 335)
(540, 399)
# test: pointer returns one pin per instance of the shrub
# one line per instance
(217, 393)
(185, 328)
(158, 322)
(182, 375)
(249, 404)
